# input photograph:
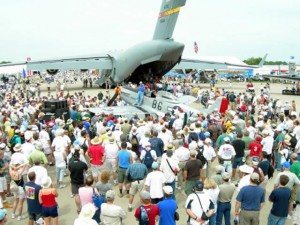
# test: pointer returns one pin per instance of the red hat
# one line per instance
(258, 138)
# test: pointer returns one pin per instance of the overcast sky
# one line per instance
(241, 28)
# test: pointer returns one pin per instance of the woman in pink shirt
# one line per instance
(85, 195)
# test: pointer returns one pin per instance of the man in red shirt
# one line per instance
(96, 155)
(255, 147)
(152, 210)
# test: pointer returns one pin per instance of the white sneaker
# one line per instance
(13, 216)
(62, 186)
(21, 217)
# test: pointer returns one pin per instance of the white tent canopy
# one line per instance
(12, 69)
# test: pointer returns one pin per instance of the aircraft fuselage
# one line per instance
(144, 61)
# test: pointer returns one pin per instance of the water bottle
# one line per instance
(236, 221)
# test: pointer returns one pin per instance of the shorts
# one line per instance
(20, 193)
(110, 165)
(136, 187)
(121, 175)
(96, 170)
(47, 150)
(75, 188)
(8, 178)
(50, 211)
(35, 216)
(3, 184)
(237, 162)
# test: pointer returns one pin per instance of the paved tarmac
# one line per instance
(67, 205)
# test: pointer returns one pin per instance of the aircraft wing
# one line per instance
(124, 111)
(284, 77)
(68, 63)
(187, 99)
(202, 64)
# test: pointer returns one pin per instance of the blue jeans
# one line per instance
(140, 98)
(60, 173)
(212, 219)
(223, 209)
(299, 157)
(275, 220)
(277, 161)
(173, 186)
(227, 167)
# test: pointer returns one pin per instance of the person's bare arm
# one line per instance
(184, 175)
(237, 208)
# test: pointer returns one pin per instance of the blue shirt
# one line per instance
(73, 115)
(167, 209)
(32, 195)
(137, 171)
(141, 88)
(123, 159)
(280, 198)
(157, 145)
(251, 197)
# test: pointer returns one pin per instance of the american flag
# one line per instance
(196, 47)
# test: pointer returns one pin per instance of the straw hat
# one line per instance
(111, 139)
(18, 148)
(170, 147)
(95, 141)
(69, 121)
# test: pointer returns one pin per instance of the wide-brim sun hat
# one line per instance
(87, 211)
(95, 141)
(18, 148)
(46, 182)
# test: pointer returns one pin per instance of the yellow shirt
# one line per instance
(228, 125)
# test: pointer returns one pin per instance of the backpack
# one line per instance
(271, 171)
(232, 97)
(293, 141)
(12, 142)
(201, 157)
(143, 217)
(148, 160)
(134, 140)
(84, 146)
(96, 199)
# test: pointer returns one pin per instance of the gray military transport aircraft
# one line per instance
(143, 62)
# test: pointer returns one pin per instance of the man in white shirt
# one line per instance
(210, 155)
(177, 124)
(111, 213)
(111, 150)
(165, 137)
(267, 143)
(183, 155)
(251, 129)
(226, 153)
(27, 147)
(296, 130)
(169, 166)
(39, 170)
(154, 184)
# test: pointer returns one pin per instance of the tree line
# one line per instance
(256, 61)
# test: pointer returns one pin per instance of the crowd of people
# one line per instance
(207, 158)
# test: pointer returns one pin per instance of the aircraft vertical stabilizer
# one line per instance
(262, 62)
(167, 18)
